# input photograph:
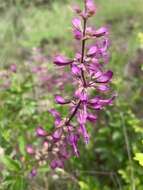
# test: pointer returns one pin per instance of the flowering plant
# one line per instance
(87, 69)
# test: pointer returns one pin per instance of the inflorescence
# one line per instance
(87, 69)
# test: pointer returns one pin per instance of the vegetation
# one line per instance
(30, 35)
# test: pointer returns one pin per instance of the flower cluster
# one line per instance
(92, 84)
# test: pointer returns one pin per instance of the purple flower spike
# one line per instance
(100, 32)
(41, 132)
(60, 60)
(105, 77)
(89, 77)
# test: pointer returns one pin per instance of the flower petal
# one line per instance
(82, 116)
(91, 117)
(41, 132)
(90, 6)
(56, 115)
(105, 77)
(57, 134)
(81, 94)
(61, 60)
(60, 100)
(75, 70)
(77, 24)
(100, 32)
(103, 88)
(84, 133)
(92, 51)
(77, 34)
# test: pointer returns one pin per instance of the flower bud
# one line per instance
(90, 6)
(41, 132)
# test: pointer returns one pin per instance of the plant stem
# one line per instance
(83, 51)
(73, 114)
(133, 186)
(82, 72)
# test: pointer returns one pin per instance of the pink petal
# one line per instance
(106, 77)
(76, 70)
(54, 113)
(61, 60)
(92, 51)
(90, 7)
(77, 24)
(100, 32)
(41, 132)
(91, 117)
(60, 100)
(84, 133)
(77, 34)
(57, 134)
(103, 88)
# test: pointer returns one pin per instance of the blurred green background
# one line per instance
(107, 163)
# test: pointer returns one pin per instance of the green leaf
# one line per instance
(22, 145)
(139, 158)
(19, 184)
(10, 164)
(83, 185)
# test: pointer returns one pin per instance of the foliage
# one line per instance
(105, 163)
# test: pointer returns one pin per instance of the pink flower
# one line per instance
(91, 9)
(100, 32)
(90, 77)
(30, 150)
(77, 34)
(41, 132)
(105, 77)
(75, 69)
(92, 51)
(61, 60)
(77, 24)
(60, 100)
